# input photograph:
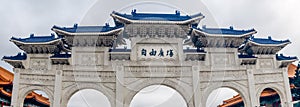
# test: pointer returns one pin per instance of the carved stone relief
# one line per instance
(39, 64)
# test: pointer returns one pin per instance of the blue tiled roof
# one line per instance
(119, 50)
(19, 56)
(36, 39)
(194, 50)
(81, 29)
(246, 56)
(268, 40)
(61, 56)
(282, 57)
(156, 17)
(226, 31)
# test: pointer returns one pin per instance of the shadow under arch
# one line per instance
(234, 86)
(277, 88)
(24, 92)
(168, 83)
(70, 91)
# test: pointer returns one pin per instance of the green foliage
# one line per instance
(296, 81)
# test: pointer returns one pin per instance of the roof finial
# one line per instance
(269, 37)
(52, 35)
(75, 25)
(204, 27)
(32, 35)
(106, 24)
(133, 12)
(177, 12)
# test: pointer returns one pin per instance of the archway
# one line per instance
(269, 98)
(158, 96)
(36, 98)
(88, 98)
(224, 97)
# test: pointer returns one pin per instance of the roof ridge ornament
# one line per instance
(107, 25)
(75, 25)
(177, 12)
(204, 27)
(133, 12)
(31, 35)
(52, 35)
(270, 38)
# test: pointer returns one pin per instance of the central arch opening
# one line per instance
(158, 96)
(88, 98)
(224, 97)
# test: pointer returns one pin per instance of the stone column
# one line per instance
(287, 89)
(251, 89)
(15, 92)
(120, 87)
(196, 87)
(57, 89)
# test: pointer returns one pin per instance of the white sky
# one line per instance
(276, 18)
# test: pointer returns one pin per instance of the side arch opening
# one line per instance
(158, 96)
(225, 97)
(269, 98)
(36, 98)
(88, 98)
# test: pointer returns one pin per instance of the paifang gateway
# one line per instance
(86, 57)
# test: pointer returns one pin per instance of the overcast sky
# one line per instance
(276, 18)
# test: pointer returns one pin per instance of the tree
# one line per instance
(296, 81)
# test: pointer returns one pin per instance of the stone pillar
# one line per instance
(120, 88)
(15, 92)
(57, 89)
(287, 90)
(251, 89)
(196, 87)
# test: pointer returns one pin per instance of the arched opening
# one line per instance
(224, 97)
(158, 96)
(88, 98)
(36, 98)
(269, 98)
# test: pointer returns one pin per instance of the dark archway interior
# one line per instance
(269, 98)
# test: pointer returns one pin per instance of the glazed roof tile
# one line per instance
(19, 56)
(157, 17)
(85, 29)
(268, 40)
(225, 31)
(120, 50)
(61, 56)
(246, 56)
(36, 39)
(281, 57)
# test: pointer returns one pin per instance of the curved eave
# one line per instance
(271, 45)
(10, 60)
(14, 63)
(196, 18)
(290, 60)
(223, 35)
(196, 53)
(248, 58)
(35, 43)
(115, 31)
(59, 58)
